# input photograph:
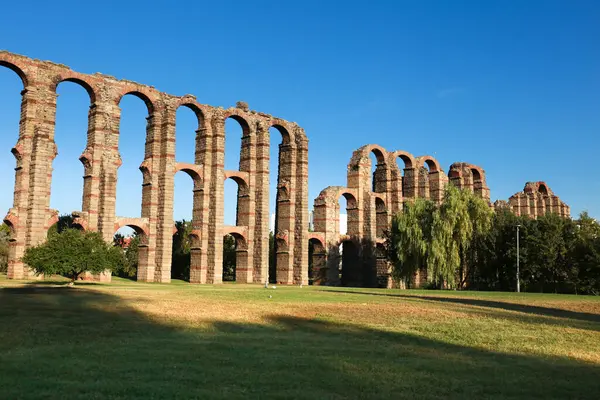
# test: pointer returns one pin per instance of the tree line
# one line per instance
(463, 244)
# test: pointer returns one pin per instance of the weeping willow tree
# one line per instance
(460, 218)
(437, 238)
(408, 242)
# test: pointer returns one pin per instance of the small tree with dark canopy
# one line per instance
(73, 252)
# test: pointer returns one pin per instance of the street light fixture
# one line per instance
(518, 283)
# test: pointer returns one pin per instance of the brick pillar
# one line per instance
(202, 201)
(37, 130)
(409, 183)
(261, 228)
(165, 179)
(215, 228)
(436, 186)
(17, 215)
(423, 183)
(300, 244)
(246, 208)
(91, 158)
(151, 188)
(285, 213)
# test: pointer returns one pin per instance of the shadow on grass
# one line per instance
(77, 343)
(522, 308)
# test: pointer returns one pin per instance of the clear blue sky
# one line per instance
(513, 86)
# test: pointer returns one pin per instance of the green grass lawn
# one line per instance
(134, 340)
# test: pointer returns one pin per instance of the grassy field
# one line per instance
(133, 340)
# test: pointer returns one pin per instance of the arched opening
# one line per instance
(133, 126)
(63, 222)
(235, 130)
(229, 258)
(11, 86)
(350, 266)
(381, 217)
(316, 262)
(348, 223)
(235, 258)
(181, 256)
(131, 240)
(72, 112)
(378, 172)
(543, 189)
(186, 127)
(476, 175)
(281, 180)
(406, 179)
(230, 203)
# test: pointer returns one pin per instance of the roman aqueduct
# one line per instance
(372, 197)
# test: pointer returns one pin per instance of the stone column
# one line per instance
(216, 219)
(285, 213)
(202, 200)
(261, 229)
(165, 179)
(300, 244)
(17, 217)
(246, 208)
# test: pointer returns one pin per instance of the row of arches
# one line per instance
(379, 183)
(102, 158)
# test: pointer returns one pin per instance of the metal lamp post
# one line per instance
(518, 283)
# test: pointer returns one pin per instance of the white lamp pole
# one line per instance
(518, 283)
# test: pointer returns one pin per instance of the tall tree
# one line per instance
(409, 239)
(71, 253)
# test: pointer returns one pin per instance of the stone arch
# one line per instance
(16, 69)
(477, 173)
(196, 108)
(12, 221)
(242, 268)
(140, 94)
(543, 188)
(64, 167)
(430, 182)
(430, 163)
(79, 80)
(286, 137)
(140, 227)
(317, 259)
(240, 119)
(404, 180)
(193, 171)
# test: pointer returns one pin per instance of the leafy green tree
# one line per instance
(64, 222)
(181, 255)
(409, 240)
(128, 268)
(229, 258)
(461, 217)
(71, 253)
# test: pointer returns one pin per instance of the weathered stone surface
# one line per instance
(536, 199)
(30, 217)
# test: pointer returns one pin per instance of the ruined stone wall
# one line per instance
(31, 216)
(536, 199)
(374, 197)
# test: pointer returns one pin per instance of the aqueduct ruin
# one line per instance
(372, 197)
(31, 216)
